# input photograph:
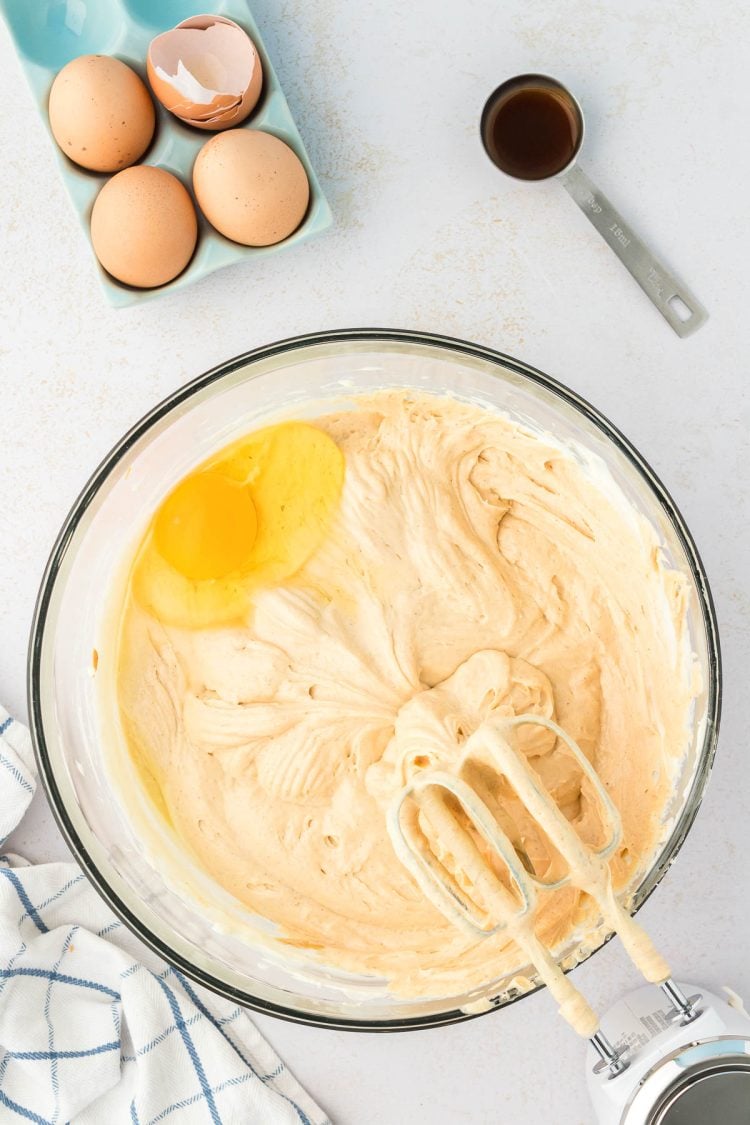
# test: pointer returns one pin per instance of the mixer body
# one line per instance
(678, 1073)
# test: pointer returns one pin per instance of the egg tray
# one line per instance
(49, 33)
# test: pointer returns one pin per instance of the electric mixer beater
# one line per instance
(446, 836)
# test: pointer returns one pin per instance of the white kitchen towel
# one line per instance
(94, 1028)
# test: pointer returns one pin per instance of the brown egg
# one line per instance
(251, 186)
(206, 71)
(101, 113)
(143, 226)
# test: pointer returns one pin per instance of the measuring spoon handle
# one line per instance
(674, 300)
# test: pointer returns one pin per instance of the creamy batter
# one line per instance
(470, 570)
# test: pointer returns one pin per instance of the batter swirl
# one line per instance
(470, 567)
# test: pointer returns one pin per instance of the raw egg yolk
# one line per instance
(206, 528)
(248, 519)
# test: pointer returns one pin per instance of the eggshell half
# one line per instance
(206, 71)
(251, 186)
(143, 226)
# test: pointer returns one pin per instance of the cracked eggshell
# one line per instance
(206, 71)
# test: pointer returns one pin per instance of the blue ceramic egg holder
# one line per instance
(49, 33)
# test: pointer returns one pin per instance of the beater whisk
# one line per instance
(478, 901)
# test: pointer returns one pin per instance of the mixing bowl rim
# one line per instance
(292, 344)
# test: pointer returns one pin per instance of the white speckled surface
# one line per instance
(427, 235)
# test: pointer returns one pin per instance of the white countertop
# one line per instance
(429, 236)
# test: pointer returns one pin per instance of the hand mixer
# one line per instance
(479, 902)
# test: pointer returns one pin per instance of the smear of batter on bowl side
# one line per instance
(417, 565)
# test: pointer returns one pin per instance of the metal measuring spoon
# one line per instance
(532, 129)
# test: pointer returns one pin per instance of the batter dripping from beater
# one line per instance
(472, 570)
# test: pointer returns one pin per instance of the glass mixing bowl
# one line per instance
(74, 735)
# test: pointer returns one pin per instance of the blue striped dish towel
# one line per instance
(93, 1027)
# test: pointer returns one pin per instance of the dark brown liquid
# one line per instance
(531, 132)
